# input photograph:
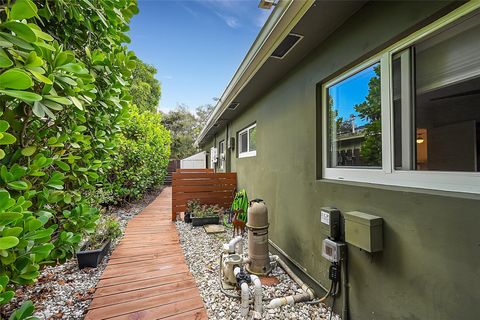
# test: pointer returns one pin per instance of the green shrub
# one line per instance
(63, 102)
(142, 160)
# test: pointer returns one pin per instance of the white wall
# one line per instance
(197, 161)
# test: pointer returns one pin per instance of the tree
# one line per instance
(182, 125)
(184, 128)
(145, 89)
(202, 115)
(370, 110)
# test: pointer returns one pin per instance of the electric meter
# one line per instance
(332, 251)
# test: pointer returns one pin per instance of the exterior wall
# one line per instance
(429, 268)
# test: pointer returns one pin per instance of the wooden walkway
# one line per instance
(146, 276)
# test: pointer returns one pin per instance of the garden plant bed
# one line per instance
(64, 291)
(197, 222)
(202, 253)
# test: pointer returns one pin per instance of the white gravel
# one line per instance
(64, 291)
(202, 253)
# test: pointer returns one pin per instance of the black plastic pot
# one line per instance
(187, 217)
(91, 258)
(196, 222)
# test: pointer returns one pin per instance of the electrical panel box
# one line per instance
(364, 231)
(330, 222)
(333, 251)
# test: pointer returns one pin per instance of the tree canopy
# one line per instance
(145, 88)
(184, 128)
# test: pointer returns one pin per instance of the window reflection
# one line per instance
(354, 120)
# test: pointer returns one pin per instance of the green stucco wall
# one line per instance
(430, 265)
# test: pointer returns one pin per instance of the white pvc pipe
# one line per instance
(245, 295)
(257, 294)
(308, 295)
(233, 243)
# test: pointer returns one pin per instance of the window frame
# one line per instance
(467, 182)
(248, 153)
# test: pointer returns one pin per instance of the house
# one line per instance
(369, 106)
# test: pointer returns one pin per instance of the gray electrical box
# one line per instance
(364, 230)
(330, 222)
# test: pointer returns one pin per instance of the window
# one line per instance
(410, 116)
(221, 152)
(247, 142)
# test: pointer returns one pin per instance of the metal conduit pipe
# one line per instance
(257, 294)
(292, 299)
(245, 295)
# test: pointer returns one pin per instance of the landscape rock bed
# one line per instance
(202, 252)
(63, 291)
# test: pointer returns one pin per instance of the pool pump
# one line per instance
(257, 227)
(238, 270)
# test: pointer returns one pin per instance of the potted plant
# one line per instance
(98, 245)
(192, 205)
(206, 215)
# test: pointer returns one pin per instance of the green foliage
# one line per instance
(25, 312)
(370, 111)
(108, 228)
(64, 74)
(192, 205)
(204, 211)
(145, 88)
(144, 150)
(184, 127)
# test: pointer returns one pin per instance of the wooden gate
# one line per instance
(202, 184)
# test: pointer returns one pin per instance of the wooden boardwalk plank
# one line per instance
(146, 276)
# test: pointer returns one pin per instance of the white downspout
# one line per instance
(245, 295)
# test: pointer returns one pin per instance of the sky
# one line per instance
(196, 45)
(350, 92)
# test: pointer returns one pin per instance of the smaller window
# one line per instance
(247, 142)
(221, 153)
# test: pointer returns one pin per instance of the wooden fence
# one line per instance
(206, 186)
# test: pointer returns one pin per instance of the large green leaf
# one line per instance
(5, 61)
(18, 185)
(15, 231)
(8, 242)
(41, 77)
(15, 79)
(74, 68)
(57, 99)
(9, 217)
(5, 200)
(22, 95)
(23, 9)
(21, 30)
(28, 151)
(7, 139)
(6, 296)
(40, 33)
(4, 125)
(16, 41)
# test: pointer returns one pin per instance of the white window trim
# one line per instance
(247, 153)
(468, 182)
